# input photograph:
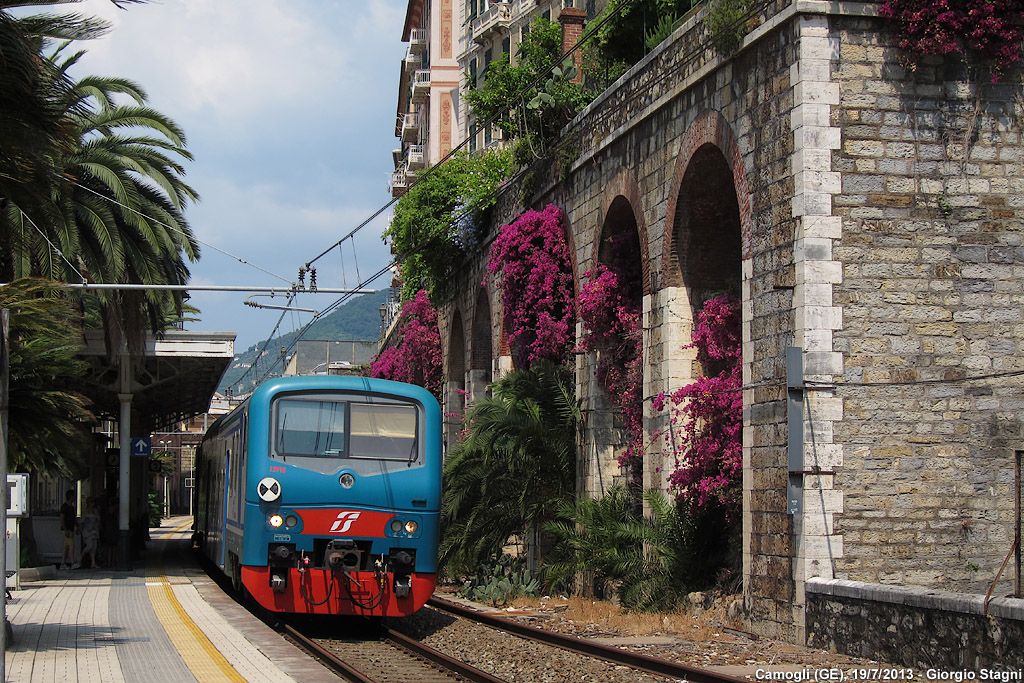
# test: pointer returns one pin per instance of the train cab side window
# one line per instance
(310, 428)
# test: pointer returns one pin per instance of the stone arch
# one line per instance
(455, 383)
(621, 244)
(707, 238)
(709, 129)
(621, 204)
(482, 348)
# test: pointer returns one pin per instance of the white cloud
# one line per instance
(288, 106)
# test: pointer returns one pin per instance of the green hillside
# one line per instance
(356, 320)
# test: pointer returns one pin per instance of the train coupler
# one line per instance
(403, 585)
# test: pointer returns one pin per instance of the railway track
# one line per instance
(613, 655)
(382, 655)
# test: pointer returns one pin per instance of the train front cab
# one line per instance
(342, 517)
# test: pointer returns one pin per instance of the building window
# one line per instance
(506, 45)
(470, 10)
(472, 73)
(487, 136)
(472, 137)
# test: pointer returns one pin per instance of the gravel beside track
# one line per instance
(510, 657)
(517, 659)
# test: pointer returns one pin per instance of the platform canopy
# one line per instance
(175, 380)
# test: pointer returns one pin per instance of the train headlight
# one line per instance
(396, 525)
(347, 480)
(291, 521)
(276, 521)
(411, 526)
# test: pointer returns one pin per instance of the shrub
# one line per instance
(416, 359)
(988, 29)
(441, 217)
(649, 563)
(532, 258)
(709, 454)
(611, 319)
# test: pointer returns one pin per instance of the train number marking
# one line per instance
(278, 468)
(344, 522)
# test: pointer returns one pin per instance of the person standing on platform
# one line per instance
(90, 526)
(68, 523)
(109, 533)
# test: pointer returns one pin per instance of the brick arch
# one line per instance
(709, 128)
(457, 350)
(625, 187)
(482, 345)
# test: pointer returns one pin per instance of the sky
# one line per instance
(289, 110)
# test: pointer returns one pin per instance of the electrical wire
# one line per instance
(180, 231)
(52, 246)
(514, 100)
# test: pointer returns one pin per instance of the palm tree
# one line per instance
(49, 424)
(515, 466)
(123, 197)
(89, 188)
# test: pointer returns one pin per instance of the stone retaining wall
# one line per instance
(913, 627)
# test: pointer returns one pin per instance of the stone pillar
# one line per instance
(816, 270)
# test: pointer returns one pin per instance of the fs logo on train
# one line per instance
(344, 521)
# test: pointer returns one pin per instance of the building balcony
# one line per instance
(411, 61)
(421, 85)
(417, 157)
(495, 20)
(410, 127)
(418, 41)
(399, 182)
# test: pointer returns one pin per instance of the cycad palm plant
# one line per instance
(610, 545)
(515, 465)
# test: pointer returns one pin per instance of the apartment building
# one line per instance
(451, 44)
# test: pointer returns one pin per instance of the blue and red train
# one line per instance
(321, 495)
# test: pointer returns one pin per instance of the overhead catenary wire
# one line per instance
(52, 246)
(298, 335)
(180, 231)
(513, 101)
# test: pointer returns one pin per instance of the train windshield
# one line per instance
(315, 427)
(383, 431)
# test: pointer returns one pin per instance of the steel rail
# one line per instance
(326, 657)
(641, 662)
(454, 667)
(468, 672)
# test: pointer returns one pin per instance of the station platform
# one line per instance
(164, 620)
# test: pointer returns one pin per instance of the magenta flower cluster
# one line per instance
(991, 29)
(417, 357)
(532, 258)
(612, 327)
(709, 459)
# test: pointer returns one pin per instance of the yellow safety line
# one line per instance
(201, 656)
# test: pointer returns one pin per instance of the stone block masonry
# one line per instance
(923, 629)
(880, 226)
